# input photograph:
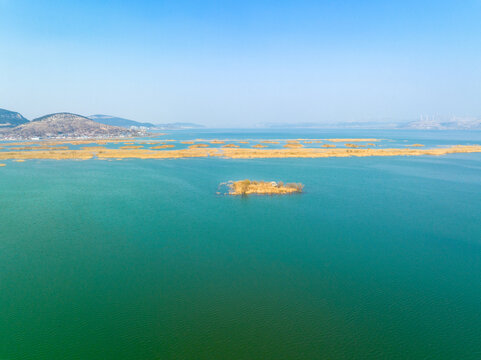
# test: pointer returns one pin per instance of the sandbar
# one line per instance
(248, 187)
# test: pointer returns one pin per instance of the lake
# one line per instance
(379, 258)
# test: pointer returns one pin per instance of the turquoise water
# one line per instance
(380, 258)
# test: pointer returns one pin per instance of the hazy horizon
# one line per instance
(227, 64)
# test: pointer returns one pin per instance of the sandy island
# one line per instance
(247, 187)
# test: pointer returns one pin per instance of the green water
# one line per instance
(380, 258)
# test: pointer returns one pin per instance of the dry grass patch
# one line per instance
(39, 148)
(234, 153)
(353, 140)
(132, 147)
(163, 146)
(93, 148)
(293, 145)
(247, 187)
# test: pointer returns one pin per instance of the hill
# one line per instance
(118, 121)
(454, 123)
(64, 125)
(425, 123)
(11, 118)
(178, 126)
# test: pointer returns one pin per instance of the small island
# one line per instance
(248, 187)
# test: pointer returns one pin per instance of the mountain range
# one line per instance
(65, 125)
(14, 126)
(178, 126)
(118, 121)
(11, 119)
(424, 123)
(454, 123)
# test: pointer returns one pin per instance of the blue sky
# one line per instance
(241, 63)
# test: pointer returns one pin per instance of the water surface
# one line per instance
(141, 259)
